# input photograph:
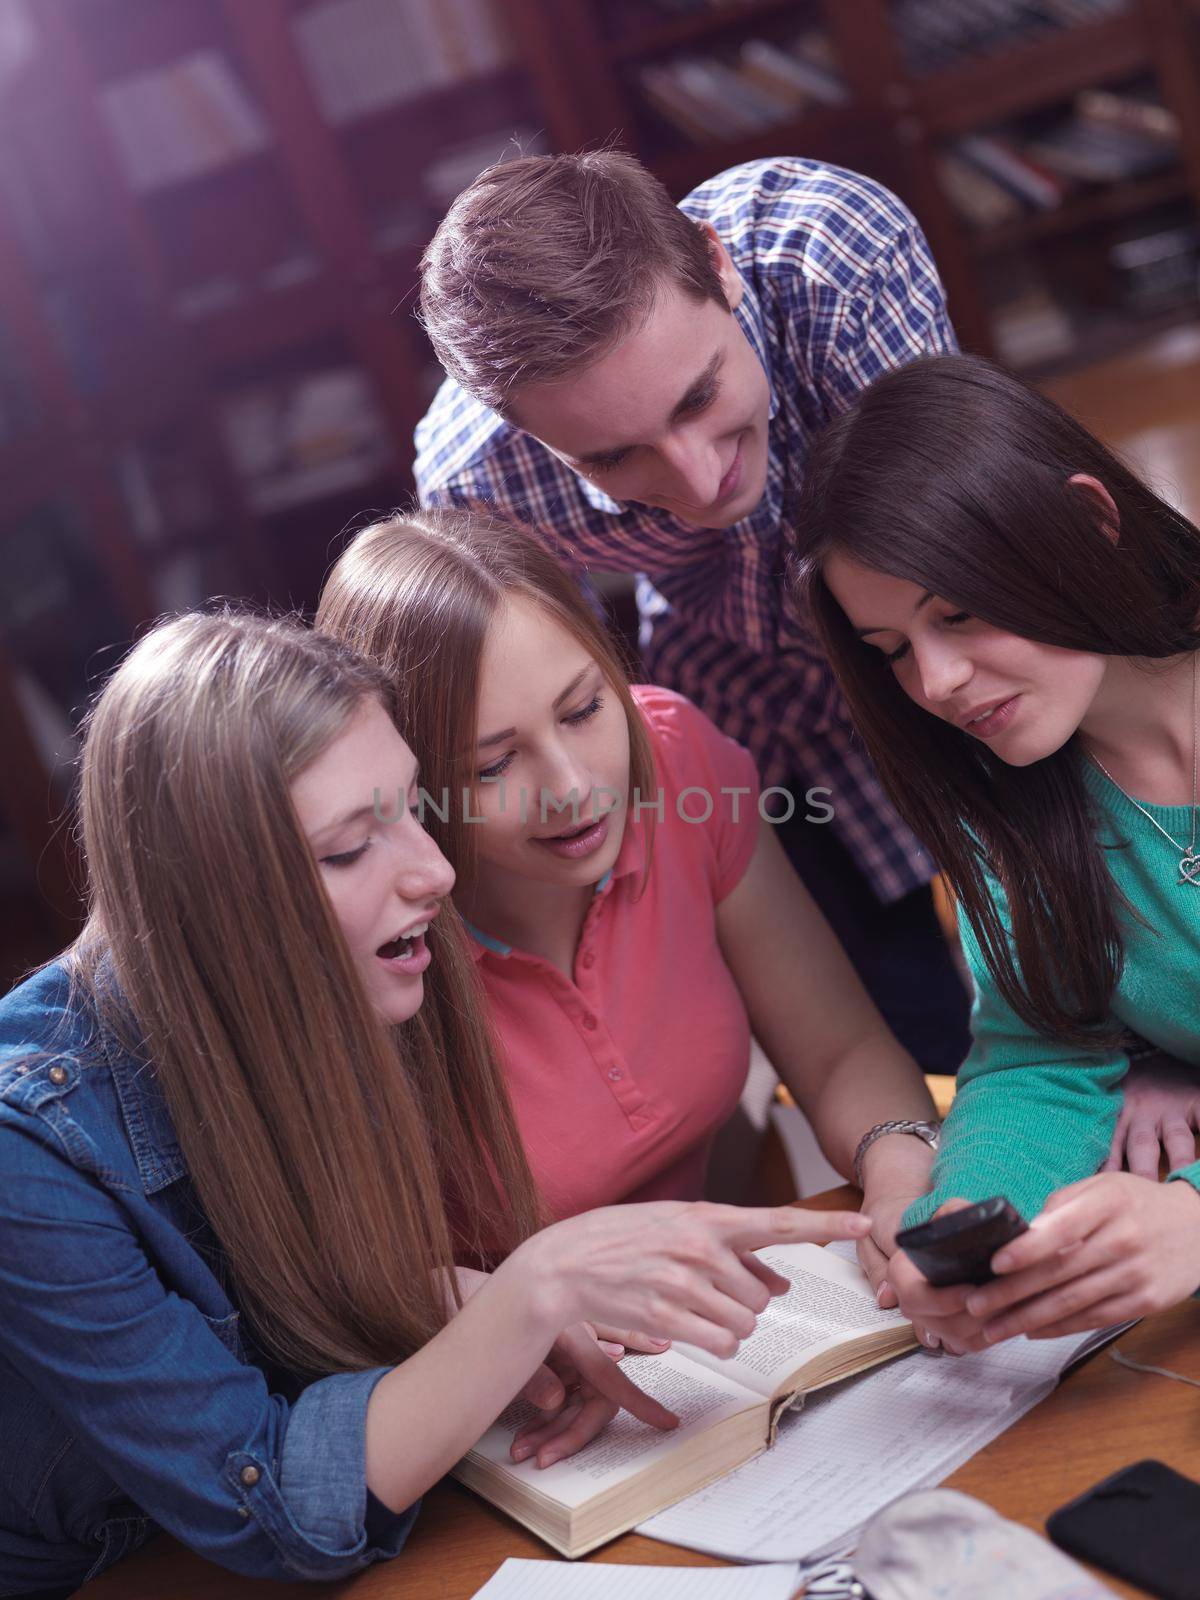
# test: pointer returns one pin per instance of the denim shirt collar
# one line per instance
(151, 1131)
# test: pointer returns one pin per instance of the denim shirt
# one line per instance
(129, 1397)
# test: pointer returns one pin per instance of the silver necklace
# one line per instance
(1189, 862)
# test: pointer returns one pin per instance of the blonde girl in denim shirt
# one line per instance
(239, 1158)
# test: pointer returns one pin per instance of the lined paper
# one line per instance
(550, 1580)
(855, 1447)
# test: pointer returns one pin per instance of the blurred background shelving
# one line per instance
(211, 215)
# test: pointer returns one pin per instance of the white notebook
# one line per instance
(555, 1580)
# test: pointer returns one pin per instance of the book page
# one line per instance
(829, 1302)
(855, 1447)
(699, 1399)
(553, 1580)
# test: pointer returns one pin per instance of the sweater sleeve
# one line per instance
(1031, 1114)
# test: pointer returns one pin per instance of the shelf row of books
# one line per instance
(932, 34)
(365, 55)
(938, 34)
(196, 115)
(762, 85)
(1105, 138)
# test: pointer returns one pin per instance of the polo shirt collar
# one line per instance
(629, 859)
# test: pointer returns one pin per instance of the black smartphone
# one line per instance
(958, 1248)
(1142, 1524)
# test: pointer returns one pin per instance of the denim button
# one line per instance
(244, 1513)
(57, 1076)
(250, 1476)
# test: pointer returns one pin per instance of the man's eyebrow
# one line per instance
(923, 601)
(692, 393)
(507, 733)
(375, 807)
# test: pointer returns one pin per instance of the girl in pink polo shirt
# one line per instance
(633, 915)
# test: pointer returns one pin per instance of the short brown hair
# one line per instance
(542, 264)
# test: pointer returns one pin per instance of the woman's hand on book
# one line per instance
(677, 1270)
(591, 1390)
(548, 1388)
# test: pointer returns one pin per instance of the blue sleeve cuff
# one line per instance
(323, 1469)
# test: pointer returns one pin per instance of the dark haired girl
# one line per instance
(1013, 616)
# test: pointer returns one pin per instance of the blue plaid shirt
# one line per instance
(840, 287)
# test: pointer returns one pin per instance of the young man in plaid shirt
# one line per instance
(642, 382)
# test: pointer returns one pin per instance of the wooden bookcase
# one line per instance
(895, 120)
(115, 387)
(106, 366)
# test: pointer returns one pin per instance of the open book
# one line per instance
(825, 1328)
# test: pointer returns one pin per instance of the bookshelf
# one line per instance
(928, 85)
(211, 214)
(209, 237)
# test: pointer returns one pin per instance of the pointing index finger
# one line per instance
(758, 1228)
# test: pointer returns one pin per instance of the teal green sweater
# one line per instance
(1032, 1115)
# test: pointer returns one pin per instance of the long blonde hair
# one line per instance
(416, 593)
(338, 1160)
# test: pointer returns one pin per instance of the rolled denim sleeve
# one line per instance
(153, 1391)
(324, 1457)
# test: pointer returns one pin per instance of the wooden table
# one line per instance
(1101, 1418)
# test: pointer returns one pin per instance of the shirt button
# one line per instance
(57, 1076)
(589, 958)
(615, 1074)
(589, 1021)
(250, 1476)
(243, 1512)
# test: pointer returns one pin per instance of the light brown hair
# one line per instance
(326, 1148)
(543, 264)
(416, 593)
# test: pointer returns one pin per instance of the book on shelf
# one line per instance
(1082, 150)
(181, 121)
(978, 198)
(302, 438)
(827, 1327)
(763, 86)
(1158, 270)
(366, 55)
(1131, 113)
(940, 34)
(1013, 168)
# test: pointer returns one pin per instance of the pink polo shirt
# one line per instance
(621, 1078)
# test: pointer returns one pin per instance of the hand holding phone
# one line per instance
(958, 1247)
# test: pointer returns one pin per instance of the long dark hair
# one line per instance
(954, 475)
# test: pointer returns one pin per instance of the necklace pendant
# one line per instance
(1189, 870)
